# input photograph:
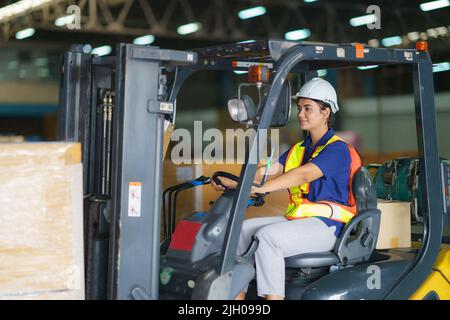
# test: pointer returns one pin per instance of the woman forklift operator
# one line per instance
(317, 173)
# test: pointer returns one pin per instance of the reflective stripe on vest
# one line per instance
(300, 207)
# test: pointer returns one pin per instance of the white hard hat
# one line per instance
(319, 89)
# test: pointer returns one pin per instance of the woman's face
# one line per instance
(309, 114)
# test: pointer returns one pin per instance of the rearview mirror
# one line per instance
(241, 110)
(283, 109)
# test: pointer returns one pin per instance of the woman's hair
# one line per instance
(323, 106)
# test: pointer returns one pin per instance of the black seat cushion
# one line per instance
(312, 260)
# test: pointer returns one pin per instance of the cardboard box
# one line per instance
(41, 221)
(9, 139)
(395, 226)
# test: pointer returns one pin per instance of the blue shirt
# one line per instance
(334, 162)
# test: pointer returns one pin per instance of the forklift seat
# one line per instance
(358, 238)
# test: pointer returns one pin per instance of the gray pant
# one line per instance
(280, 238)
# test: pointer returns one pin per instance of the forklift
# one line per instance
(119, 108)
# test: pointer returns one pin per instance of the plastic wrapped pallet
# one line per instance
(41, 221)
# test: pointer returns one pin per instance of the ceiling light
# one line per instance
(413, 36)
(440, 67)
(432, 33)
(374, 43)
(20, 7)
(62, 21)
(144, 40)
(251, 13)
(433, 5)
(102, 51)
(26, 33)
(363, 20)
(189, 28)
(442, 31)
(322, 72)
(367, 67)
(297, 34)
(87, 48)
(391, 41)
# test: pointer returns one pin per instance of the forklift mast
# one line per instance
(116, 107)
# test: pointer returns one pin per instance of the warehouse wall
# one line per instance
(28, 110)
(387, 124)
(33, 92)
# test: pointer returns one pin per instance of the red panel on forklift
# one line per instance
(184, 235)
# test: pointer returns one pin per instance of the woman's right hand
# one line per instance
(225, 182)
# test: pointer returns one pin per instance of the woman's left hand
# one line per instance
(257, 190)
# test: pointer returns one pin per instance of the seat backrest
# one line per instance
(359, 236)
(364, 190)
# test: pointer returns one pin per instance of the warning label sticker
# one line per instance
(246, 64)
(134, 199)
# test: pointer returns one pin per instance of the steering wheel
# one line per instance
(217, 174)
(230, 176)
(256, 201)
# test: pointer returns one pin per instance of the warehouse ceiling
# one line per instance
(218, 21)
(33, 33)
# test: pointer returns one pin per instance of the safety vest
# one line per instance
(300, 207)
